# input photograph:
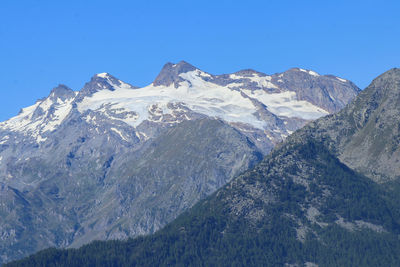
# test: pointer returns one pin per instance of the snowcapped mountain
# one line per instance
(302, 205)
(268, 106)
(113, 160)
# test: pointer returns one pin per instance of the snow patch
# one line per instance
(261, 81)
(142, 136)
(124, 85)
(40, 139)
(119, 133)
(4, 139)
(227, 104)
(342, 80)
(313, 73)
(236, 77)
(60, 113)
(102, 75)
(49, 115)
(286, 104)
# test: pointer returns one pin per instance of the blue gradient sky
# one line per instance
(44, 43)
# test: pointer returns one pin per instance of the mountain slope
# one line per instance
(167, 180)
(114, 160)
(300, 206)
(366, 134)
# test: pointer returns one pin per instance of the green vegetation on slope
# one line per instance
(222, 231)
(300, 204)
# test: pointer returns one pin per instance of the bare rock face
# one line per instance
(102, 81)
(374, 149)
(327, 91)
(366, 133)
(170, 73)
(114, 160)
(63, 92)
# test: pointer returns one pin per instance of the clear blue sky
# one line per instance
(44, 43)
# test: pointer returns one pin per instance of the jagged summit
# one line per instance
(62, 91)
(106, 81)
(170, 73)
(96, 84)
(102, 81)
(183, 66)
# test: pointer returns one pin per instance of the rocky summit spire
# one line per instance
(170, 73)
(99, 82)
(61, 91)
(102, 81)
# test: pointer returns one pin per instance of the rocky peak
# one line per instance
(387, 84)
(249, 73)
(102, 81)
(170, 73)
(301, 72)
(109, 79)
(62, 92)
(382, 96)
(326, 91)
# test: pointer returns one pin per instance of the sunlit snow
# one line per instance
(152, 102)
(313, 73)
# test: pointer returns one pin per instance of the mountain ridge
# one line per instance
(110, 83)
(94, 164)
(302, 205)
(361, 135)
